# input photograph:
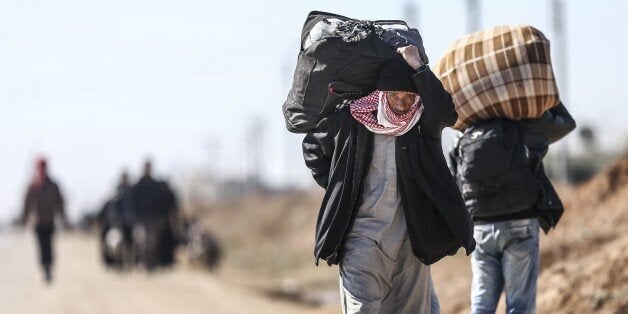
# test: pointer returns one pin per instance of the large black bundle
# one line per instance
(339, 60)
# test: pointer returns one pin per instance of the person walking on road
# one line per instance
(44, 201)
(117, 219)
(498, 164)
(391, 206)
(155, 204)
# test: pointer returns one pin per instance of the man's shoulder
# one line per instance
(51, 183)
(336, 119)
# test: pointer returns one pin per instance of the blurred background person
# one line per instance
(169, 237)
(43, 201)
(155, 203)
(117, 219)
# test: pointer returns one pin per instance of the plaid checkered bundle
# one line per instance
(504, 72)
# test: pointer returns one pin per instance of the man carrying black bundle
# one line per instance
(498, 164)
(391, 207)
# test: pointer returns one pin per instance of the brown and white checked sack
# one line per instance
(503, 72)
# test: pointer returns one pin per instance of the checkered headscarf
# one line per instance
(373, 112)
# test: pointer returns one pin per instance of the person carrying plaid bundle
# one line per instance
(505, 91)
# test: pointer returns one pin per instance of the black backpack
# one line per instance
(339, 60)
(494, 169)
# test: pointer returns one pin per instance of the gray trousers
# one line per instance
(374, 282)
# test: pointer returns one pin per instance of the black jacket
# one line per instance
(339, 153)
(150, 199)
(536, 135)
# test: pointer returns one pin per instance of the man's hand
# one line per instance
(22, 222)
(411, 55)
(65, 223)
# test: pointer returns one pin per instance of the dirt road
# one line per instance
(83, 285)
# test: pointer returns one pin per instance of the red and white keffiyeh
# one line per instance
(373, 112)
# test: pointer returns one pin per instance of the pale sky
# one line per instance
(98, 85)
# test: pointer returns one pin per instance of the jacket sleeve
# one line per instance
(28, 198)
(317, 152)
(553, 125)
(439, 110)
(60, 204)
(452, 156)
(102, 214)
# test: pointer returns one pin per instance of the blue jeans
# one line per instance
(434, 304)
(506, 257)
